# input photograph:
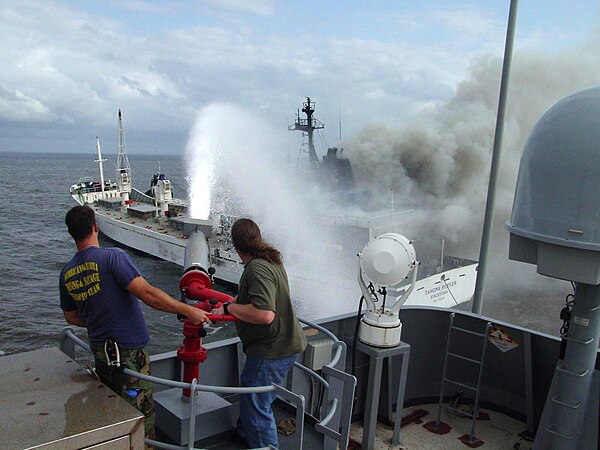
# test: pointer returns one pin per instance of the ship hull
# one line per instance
(156, 238)
(445, 289)
(152, 242)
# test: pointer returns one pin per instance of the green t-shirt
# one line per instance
(265, 285)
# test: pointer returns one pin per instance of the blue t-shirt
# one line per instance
(94, 283)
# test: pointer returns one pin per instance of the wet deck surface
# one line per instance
(495, 431)
(49, 400)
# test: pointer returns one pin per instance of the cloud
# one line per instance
(80, 67)
(29, 108)
(261, 7)
(142, 6)
(78, 72)
(466, 21)
(72, 70)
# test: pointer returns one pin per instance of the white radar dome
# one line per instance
(387, 259)
(555, 220)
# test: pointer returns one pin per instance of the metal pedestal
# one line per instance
(566, 423)
(213, 415)
(376, 358)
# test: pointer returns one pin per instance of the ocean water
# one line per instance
(35, 246)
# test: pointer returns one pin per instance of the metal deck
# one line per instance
(48, 401)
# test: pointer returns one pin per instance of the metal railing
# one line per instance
(338, 417)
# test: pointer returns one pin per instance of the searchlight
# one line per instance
(385, 261)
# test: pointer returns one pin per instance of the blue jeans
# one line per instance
(256, 423)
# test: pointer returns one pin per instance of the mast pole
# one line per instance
(100, 161)
(491, 194)
(310, 128)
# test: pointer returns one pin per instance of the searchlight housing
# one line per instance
(385, 261)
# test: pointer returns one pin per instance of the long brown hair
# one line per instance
(246, 238)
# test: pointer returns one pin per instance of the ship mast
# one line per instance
(123, 167)
(308, 126)
(100, 161)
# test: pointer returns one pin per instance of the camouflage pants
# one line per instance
(138, 393)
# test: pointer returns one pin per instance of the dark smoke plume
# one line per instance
(438, 163)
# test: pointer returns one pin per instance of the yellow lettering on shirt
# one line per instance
(81, 268)
(74, 287)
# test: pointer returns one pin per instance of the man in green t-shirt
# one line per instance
(268, 328)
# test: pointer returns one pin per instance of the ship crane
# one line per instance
(123, 173)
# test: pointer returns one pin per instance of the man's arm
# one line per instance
(159, 299)
(247, 313)
(73, 318)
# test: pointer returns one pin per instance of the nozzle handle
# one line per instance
(222, 318)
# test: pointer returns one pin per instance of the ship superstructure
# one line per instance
(87, 190)
(332, 171)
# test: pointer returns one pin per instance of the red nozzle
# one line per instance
(196, 285)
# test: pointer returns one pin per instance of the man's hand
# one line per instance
(247, 313)
(220, 311)
(196, 315)
(73, 318)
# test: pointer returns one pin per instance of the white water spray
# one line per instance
(241, 159)
(200, 168)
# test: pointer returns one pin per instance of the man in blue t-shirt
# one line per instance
(99, 290)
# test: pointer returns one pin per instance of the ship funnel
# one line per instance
(555, 224)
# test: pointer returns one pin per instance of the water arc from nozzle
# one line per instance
(200, 168)
(241, 160)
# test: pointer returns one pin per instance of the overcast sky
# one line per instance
(68, 66)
